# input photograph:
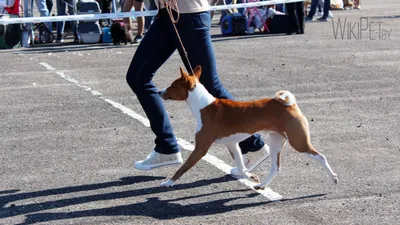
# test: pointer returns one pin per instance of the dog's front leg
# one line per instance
(236, 153)
(203, 143)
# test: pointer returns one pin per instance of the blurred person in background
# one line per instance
(28, 12)
(148, 20)
(295, 11)
(326, 12)
(61, 11)
(127, 7)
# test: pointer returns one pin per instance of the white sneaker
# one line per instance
(155, 159)
(252, 160)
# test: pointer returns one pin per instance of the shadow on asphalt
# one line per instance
(383, 17)
(8, 192)
(68, 47)
(220, 37)
(153, 207)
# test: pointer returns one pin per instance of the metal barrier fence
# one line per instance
(129, 14)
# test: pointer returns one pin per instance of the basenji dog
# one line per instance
(230, 122)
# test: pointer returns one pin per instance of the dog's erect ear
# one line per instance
(197, 71)
(184, 75)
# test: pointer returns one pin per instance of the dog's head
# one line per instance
(179, 89)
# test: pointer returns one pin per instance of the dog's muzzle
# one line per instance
(161, 94)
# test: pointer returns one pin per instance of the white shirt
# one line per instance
(187, 6)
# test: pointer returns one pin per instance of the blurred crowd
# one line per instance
(302, 11)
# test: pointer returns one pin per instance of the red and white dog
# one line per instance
(230, 122)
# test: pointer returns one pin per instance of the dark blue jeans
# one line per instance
(156, 47)
(149, 19)
(61, 11)
(313, 8)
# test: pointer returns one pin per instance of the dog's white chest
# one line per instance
(234, 138)
(198, 99)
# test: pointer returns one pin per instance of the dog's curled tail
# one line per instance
(285, 98)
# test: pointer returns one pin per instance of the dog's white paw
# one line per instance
(335, 178)
(168, 183)
(259, 187)
(252, 177)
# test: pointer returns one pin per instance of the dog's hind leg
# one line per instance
(203, 143)
(313, 154)
(277, 142)
(299, 139)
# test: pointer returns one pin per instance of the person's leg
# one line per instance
(213, 3)
(155, 48)
(330, 15)
(127, 7)
(106, 6)
(42, 7)
(321, 5)
(61, 11)
(71, 11)
(327, 7)
(194, 30)
(49, 4)
(44, 11)
(300, 16)
(313, 8)
(149, 19)
(194, 33)
(290, 11)
(138, 4)
(147, 22)
(27, 27)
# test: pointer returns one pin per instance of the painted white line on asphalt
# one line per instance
(129, 112)
(221, 165)
(47, 66)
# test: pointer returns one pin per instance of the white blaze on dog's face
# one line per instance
(179, 89)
